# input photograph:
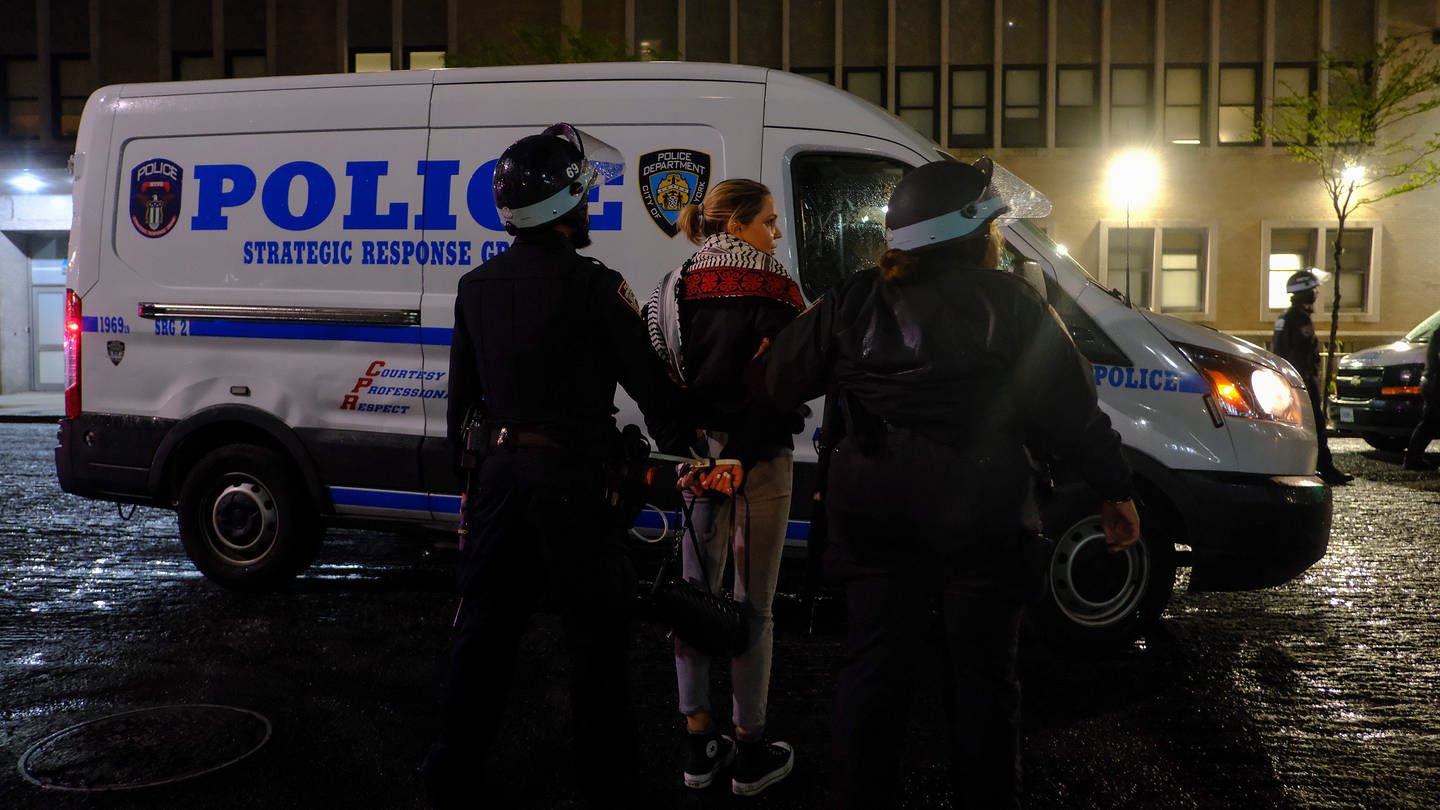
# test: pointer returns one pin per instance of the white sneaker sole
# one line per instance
(752, 788)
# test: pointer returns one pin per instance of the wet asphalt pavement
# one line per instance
(1324, 693)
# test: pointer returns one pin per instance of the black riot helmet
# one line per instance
(542, 178)
(942, 202)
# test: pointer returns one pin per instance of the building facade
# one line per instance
(1137, 118)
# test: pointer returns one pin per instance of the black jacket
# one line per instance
(966, 358)
(723, 330)
(1295, 341)
(542, 337)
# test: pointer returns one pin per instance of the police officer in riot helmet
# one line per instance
(949, 374)
(542, 337)
(1295, 340)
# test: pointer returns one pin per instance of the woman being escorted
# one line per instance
(709, 322)
(948, 375)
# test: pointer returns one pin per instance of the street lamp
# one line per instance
(1134, 180)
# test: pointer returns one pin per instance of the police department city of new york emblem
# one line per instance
(116, 350)
(155, 197)
(671, 179)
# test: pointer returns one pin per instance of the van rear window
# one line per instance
(840, 202)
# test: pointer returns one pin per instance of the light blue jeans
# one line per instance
(765, 500)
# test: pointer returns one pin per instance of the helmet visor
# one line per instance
(1022, 200)
(603, 161)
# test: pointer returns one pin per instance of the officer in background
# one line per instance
(542, 336)
(1429, 425)
(1295, 341)
(948, 373)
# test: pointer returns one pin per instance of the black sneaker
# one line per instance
(1421, 463)
(708, 753)
(760, 765)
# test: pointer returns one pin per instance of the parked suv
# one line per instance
(1377, 391)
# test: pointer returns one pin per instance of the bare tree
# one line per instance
(1359, 134)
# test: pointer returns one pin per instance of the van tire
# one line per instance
(245, 520)
(1095, 599)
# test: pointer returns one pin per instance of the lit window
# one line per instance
(918, 99)
(970, 107)
(424, 60)
(1024, 123)
(1292, 82)
(1168, 267)
(867, 83)
(1184, 105)
(370, 61)
(1130, 105)
(1238, 104)
(1294, 248)
(1077, 114)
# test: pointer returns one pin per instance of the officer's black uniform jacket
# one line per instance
(971, 359)
(542, 336)
(1295, 341)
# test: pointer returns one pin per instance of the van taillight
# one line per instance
(72, 354)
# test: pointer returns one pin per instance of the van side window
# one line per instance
(840, 215)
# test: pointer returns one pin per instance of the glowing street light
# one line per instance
(1134, 181)
(27, 182)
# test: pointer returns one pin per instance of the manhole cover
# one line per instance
(144, 747)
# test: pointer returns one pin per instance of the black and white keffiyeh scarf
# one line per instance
(725, 266)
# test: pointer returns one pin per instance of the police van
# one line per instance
(262, 276)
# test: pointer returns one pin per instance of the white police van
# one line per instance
(262, 276)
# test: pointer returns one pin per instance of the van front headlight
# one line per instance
(1245, 389)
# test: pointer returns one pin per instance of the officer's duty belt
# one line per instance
(511, 438)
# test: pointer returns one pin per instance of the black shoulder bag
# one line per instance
(713, 623)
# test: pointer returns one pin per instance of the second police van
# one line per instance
(261, 288)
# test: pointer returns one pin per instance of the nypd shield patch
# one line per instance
(671, 179)
(155, 197)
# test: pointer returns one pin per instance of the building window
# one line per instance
(918, 99)
(369, 61)
(825, 75)
(72, 88)
(424, 58)
(867, 83)
(1239, 103)
(1291, 82)
(194, 66)
(1295, 247)
(1130, 105)
(970, 107)
(1024, 123)
(245, 64)
(1077, 110)
(1184, 105)
(22, 98)
(1168, 267)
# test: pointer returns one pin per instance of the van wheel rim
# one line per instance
(1091, 586)
(243, 520)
